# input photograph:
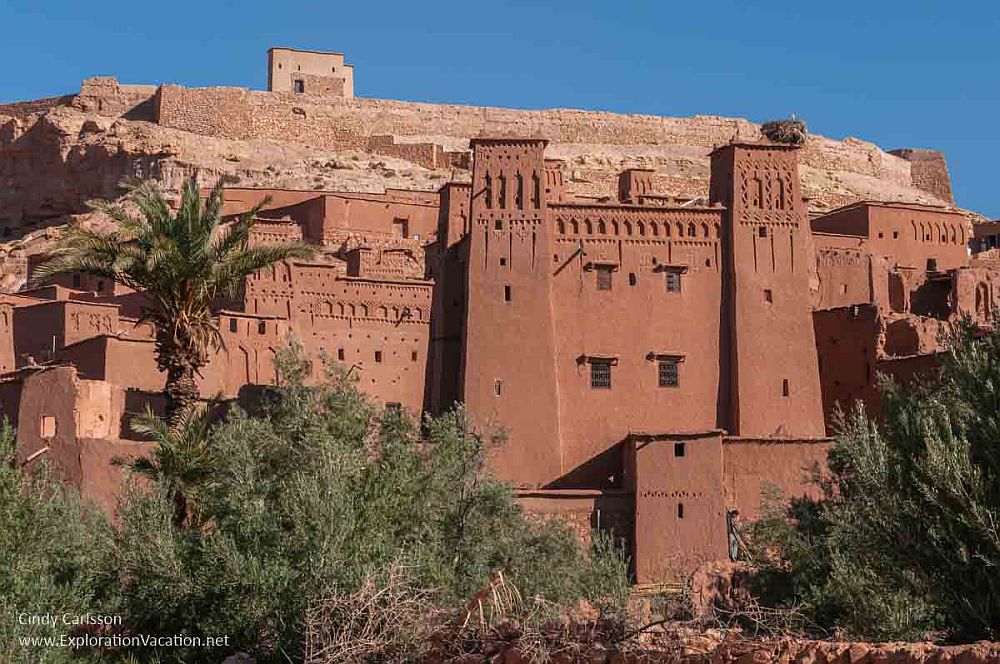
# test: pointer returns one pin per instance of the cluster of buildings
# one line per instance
(657, 364)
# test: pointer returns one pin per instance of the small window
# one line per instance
(931, 265)
(503, 261)
(667, 373)
(881, 235)
(843, 289)
(100, 285)
(48, 426)
(603, 277)
(262, 327)
(768, 296)
(631, 279)
(680, 510)
(413, 356)
(555, 258)
(600, 374)
(233, 325)
(400, 228)
(498, 225)
(394, 408)
(506, 294)
(378, 356)
(340, 354)
(762, 231)
(497, 387)
(784, 387)
(679, 449)
(298, 86)
(895, 235)
(673, 281)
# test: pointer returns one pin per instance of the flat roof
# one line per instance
(632, 207)
(302, 50)
(891, 204)
(758, 144)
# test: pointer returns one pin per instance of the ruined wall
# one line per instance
(928, 171)
(752, 467)
(583, 510)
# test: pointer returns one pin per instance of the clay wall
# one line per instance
(915, 236)
(583, 510)
(928, 171)
(680, 518)
(8, 360)
(774, 382)
(509, 373)
(844, 277)
(636, 323)
(753, 467)
(381, 327)
(40, 330)
(975, 292)
(847, 341)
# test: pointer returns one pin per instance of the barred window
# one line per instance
(668, 373)
(600, 374)
(673, 281)
(603, 278)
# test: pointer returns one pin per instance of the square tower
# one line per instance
(309, 72)
(509, 356)
(774, 388)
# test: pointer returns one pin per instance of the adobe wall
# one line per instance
(78, 421)
(847, 340)
(583, 510)
(774, 382)
(752, 465)
(928, 171)
(680, 519)
(637, 322)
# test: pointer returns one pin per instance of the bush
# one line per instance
(48, 545)
(906, 542)
(316, 493)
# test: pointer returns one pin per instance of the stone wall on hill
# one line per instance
(928, 171)
(239, 113)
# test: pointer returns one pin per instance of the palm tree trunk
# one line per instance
(181, 391)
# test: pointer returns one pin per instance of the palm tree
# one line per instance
(183, 262)
(182, 461)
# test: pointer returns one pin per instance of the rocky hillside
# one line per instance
(57, 153)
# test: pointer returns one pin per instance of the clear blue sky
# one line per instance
(901, 74)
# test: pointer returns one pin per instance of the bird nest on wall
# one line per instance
(791, 131)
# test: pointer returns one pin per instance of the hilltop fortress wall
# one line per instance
(425, 132)
(239, 113)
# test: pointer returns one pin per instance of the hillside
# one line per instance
(57, 153)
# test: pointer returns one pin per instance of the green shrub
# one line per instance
(48, 545)
(907, 540)
(315, 492)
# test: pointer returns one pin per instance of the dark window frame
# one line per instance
(600, 374)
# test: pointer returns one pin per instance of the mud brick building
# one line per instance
(658, 360)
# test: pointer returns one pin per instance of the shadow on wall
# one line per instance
(603, 471)
(901, 339)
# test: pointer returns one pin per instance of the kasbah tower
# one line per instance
(657, 359)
